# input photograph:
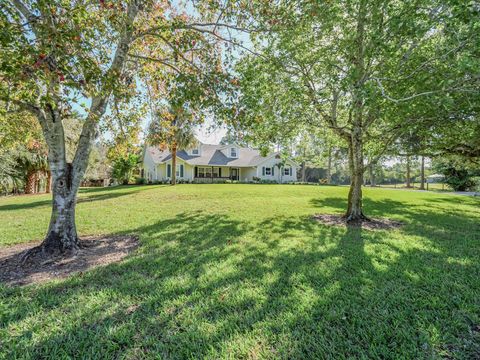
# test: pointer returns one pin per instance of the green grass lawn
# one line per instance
(242, 271)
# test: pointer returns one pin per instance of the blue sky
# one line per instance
(210, 133)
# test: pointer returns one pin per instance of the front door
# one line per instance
(234, 174)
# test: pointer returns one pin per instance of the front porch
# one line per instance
(206, 174)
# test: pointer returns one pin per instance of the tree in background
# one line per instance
(172, 128)
(459, 175)
(233, 136)
(192, 85)
(123, 168)
(23, 145)
(317, 149)
(123, 149)
(32, 161)
(9, 175)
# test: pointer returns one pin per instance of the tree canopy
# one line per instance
(368, 70)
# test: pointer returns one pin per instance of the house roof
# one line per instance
(211, 155)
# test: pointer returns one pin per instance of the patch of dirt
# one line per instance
(95, 251)
(371, 224)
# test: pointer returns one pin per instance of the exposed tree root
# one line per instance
(45, 250)
(356, 218)
(24, 264)
(27, 254)
(363, 222)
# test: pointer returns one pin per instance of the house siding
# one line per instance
(271, 163)
(148, 166)
(158, 172)
(154, 172)
(188, 170)
(247, 174)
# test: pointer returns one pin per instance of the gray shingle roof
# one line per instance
(210, 155)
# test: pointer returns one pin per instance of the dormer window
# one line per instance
(195, 151)
(233, 152)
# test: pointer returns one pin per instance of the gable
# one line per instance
(214, 155)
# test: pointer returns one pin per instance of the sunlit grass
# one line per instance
(242, 271)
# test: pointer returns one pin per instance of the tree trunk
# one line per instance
(355, 160)
(174, 164)
(355, 140)
(422, 174)
(48, 186)
(66, 178)
(371, 175)
(304, 165)
(329, 166)
(62, 233)
(408, 184)
(30, 182)
(38, 183)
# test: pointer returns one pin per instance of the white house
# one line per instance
(212, 163)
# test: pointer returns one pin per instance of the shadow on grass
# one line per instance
(209, 286)
(427, 219)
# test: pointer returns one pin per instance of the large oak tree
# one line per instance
(368, 70)
(59, 56)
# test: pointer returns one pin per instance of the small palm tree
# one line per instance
(172, 129)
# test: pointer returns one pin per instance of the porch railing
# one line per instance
(209, 179)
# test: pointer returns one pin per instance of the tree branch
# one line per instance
(161, 61)
(411, 97)
(26, 13)
(99, 103)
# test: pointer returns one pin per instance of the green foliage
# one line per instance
(140, 181)
(124, 168)
(459, 175)
(10, 176)
(367, 69)
(234, 137)
(172, 128)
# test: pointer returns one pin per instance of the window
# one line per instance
(268, 171)
(179, 172)
(204, 172)
(195, 152)
(208, 172)
(233, 152)
(287, 171)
